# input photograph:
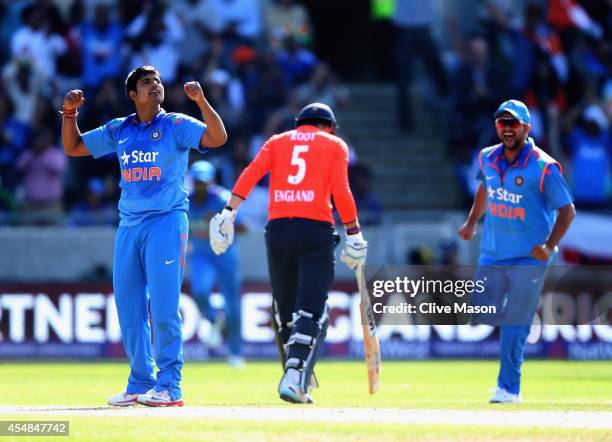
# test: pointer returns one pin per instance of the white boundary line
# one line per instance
(543, 419)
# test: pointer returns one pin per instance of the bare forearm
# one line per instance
(216, 129)
(479, 206)
(564, 219)
(235, 201)
(71, 137)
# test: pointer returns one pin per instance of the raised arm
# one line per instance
(71, 135)
(215, 134)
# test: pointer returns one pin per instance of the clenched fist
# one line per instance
(467, 231)
(542, 252)
(73, 100)
(194, 91)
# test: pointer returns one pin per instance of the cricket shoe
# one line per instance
(501, 396)
(123, 400)
(159, 399)
(289, 388)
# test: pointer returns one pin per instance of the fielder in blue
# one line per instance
(528, 209)
(153, 149)
(208, 199)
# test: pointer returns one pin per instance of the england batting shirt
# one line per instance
(307, 167)
(153, 159)
(522, 200)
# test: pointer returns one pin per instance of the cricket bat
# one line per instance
(371, 345)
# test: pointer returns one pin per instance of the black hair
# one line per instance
(137, 74)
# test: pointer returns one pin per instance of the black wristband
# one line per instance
(353, 230)
(229, 208)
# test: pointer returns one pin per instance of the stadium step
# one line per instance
(411, 169)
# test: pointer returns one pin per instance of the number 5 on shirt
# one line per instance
(300, 162)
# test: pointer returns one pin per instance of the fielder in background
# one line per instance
(153, 148)
(528, 209)
(206, 200)
(307, 166)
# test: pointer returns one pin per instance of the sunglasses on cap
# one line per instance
(514, 123)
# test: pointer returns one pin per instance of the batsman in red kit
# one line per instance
(307, 165)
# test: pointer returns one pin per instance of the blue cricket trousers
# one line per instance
(515, 291)
(206, 268)
(148, 268)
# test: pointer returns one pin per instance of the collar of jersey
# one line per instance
(134, 117)
(497, 155)
(308, 128)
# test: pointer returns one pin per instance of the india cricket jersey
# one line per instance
(153, 158)
(522, 199)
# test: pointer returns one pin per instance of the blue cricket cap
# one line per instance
(516, 108)
(203, 171)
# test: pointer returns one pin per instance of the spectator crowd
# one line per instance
(255, 61)
(252, 57)
(554, 55)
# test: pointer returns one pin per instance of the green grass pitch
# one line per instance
(449, 385)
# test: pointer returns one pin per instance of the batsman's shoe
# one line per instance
(289, 388)
(501, 396)
(159, 399)
(123, 400)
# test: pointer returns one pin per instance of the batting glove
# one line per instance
(355, 251)
(221, 231)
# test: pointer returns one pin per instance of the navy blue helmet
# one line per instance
(316, 112)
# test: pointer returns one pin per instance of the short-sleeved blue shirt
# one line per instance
(522, 199)
(153, 158)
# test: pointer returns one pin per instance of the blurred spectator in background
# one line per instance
(287, 18)
(70, 63)
(590, 150)
(241, 20)
(282, 119)
(43, 169)
(37, 42)
(102, 40)
(201, 21)
(10, 21)
(412, 20)
(369, 204)
(323, 87)
(232, 165)
(96, 208)
(23, 83)
(108, 102)
(13, 139)
(296, 62)
(263, 83)
(478, 86)
(227, 96)
(207, 268)
(156, 35)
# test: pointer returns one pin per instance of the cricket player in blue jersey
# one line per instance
(528, 209)
(153, 148)
(208, 199)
